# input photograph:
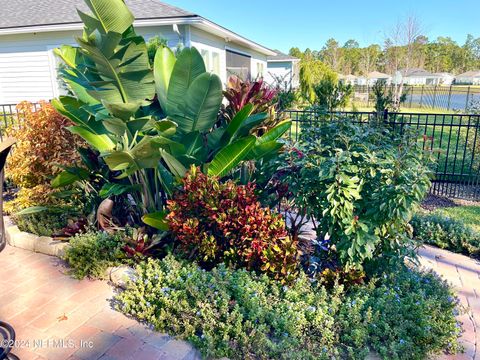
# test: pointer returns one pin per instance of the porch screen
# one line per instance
(238, 64)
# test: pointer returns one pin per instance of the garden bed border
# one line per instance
(49, 246)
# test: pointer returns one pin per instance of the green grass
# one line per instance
(469, 215)
(359, 106)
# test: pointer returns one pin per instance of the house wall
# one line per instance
(282, 70)
(467, 80)
(210, 46)
(447, 80)
(28, 67)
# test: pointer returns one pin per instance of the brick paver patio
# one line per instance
(57, 317)
(464, 274)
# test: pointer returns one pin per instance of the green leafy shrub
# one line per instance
(446, 233)
(91, 253)
(411, 313)
(44, 223)
(240, 315)
(223, 222)
(332, 94)
(360, 184)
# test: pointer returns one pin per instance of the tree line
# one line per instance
(442, 54)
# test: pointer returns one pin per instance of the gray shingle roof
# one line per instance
(473, 73)
(22, 13)
(415, 72)
(282, 57)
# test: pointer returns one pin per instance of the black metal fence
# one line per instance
(10, 115)
(454, 137)
(431, 97)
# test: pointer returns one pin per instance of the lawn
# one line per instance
(469, 215)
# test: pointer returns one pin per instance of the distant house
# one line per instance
(375, 76)
(283, 70)
(468, 78)
(372, 78)
(444, 78)
(31, 29)
(348, 79)
(416, 77)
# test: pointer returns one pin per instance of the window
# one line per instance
(206, 58)
(216, 63)
(260, 69)
(238, 64)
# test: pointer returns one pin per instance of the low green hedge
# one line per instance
(92, 253)
(402, 314)
(43, 223)
(446, 233)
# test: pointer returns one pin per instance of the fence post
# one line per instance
(368, 96)
(421, 98)
(449, 97)
(385, 115)
(411, 95)
(466, 102)
(434, 96)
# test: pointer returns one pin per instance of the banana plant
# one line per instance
(150, 125)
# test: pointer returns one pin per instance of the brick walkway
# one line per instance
(45, 306)
(464, 274)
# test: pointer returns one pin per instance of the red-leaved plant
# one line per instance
(217, 222)
(240, 93)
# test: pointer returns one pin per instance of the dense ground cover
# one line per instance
(449, 224)
(399, 314)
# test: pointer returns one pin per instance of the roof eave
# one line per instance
(284, 60)
(232, 36)
(194, 20)
(79, 26)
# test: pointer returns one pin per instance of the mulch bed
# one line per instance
(433, 202)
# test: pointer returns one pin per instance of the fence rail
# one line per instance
(441, 97)
(11, 115)
(454, 138)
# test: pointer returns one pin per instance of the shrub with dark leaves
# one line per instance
(217, 222)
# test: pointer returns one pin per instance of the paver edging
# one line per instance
(40, 244)
(49, 246)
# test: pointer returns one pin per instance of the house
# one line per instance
(348, 79)
(283, 70)
(372, 77)
(31, 29)
(445, 78)
(375, 76)
(468, 78)
(416, 77)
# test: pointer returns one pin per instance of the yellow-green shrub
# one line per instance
(43, 146)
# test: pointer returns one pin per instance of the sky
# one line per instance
(283, 24)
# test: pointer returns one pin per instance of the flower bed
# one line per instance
(195, 194)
